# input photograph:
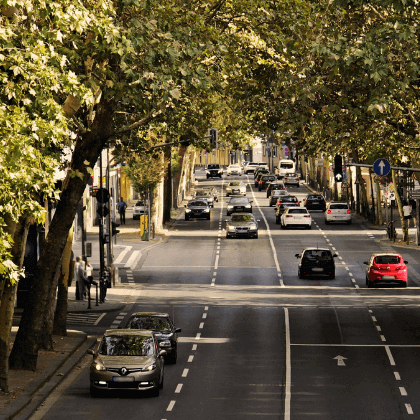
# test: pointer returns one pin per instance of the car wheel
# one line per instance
(404, 284)
(256, 236)
(187, 218)
(277, 220)
(327, 222)
(270, 204)
(155, 391)
(332, 276)
(349, 222)
(161, 378)
(369, 284)
(207, 177)
(228, 214)
(208, 217)
(309, 227)
(367, 281)
(94, 392)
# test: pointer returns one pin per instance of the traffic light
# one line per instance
(338, 168)
(213, 136)
(114, 228)
(102, 209)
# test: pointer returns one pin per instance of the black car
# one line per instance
(260, 170)
(286, 199)
(242, 225)
(315, 262)
(197, 208)
(264, 180)
(164, 330)
(214, 170)
(239, 205)
(282, 207)
(272, 186)
(315, 202)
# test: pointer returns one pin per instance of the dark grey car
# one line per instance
(239, 205)
(197, 208)
(242, 225)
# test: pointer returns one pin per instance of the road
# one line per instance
(256, 341)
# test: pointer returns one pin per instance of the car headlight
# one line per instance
(230, 207)
(231, 228)
(99, 365)
(207, 172)
(206, 210)
(165, 343)
(248, 206)
(149, 368)
(253, 228)
(187, 210)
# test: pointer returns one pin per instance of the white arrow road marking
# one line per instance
(340, 360)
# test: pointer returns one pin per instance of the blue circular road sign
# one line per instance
(381, 167)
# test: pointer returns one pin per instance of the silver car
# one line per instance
(128, 360)
(235, 188)
(138, 209)
(337, 212)
(204, 195)
(242, 225)
(234, 170)
(291, 179)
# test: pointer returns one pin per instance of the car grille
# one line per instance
(123, 385)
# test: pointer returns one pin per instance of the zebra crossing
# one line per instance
(88, 318)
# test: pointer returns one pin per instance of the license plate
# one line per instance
(123, 378)
(317, 269)
(239, 208)
(388, 278)
(235, 191)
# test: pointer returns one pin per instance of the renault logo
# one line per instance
(124, 371)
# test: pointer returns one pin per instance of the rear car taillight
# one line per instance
(329, 211)
(348, 211)
(306, 215)
(288, 215)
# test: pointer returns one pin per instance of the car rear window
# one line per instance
(316, 254)
(268, 178)
(299, 210)
(339, 206)
(387, 259)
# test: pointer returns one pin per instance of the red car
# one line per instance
(386, 267)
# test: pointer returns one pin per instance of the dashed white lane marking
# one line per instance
(170, 406)
(198, 336)
(397, 376)
(185, 373)
(204, 316)
(178, 388)
(378, 328)
(403, 391)
(206, 308)
(201, 325)
(216, 263)
(190, 359)
(374, 319)
(194, 347)
(409, 409)
(383, 338)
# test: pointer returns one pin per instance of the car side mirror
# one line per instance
(91, 351)
(251, 201)
(335, 255)
(365, 262)
(185, 205)
(405, 262)
(297, 255)
(177, 330)
(162, 353)
(258, 220)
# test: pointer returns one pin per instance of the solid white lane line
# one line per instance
(403, 391)
(178, 389)
(391, 359)
(170, 406)
(409, 409)
(185, 373)
(397, 376)
(190, 359)
(287, 396)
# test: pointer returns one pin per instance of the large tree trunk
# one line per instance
(19, 232)
(67, 271)
(167, 185)
(88, 146)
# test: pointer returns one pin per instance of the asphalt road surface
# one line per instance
(259, 343)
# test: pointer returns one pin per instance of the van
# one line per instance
(286, 166)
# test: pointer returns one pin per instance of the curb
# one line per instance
(40, 388)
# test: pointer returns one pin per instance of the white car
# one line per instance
(337, 212)
(234, 170)
(235, 188)
(296, 216)
(138, 209)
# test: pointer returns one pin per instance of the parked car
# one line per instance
(212, 191)
(280, 209)
(204, 195)
(275, 185)
(234, 170)
(315, 202)
(337, 212)
(315, 262)
(138, 209)
(297, 217)
(242, 225)
(386, 267)
(214, 170)
(239, 205)
(264, 180)
(197, 208)
(235, 188)
(274, 197)
(291, 179)
(128, 360)
(286, 199)
(161, 324)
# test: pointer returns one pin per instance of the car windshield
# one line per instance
(318, 255)
(387, 259)
(276, 193)
(242, 200)
(268, 178)
(339, 206)
(126, 345)
(154, 323)
(286, 165)
(213, 166)
(242, 218)
(197, 203)
(234, 184)
(201, 194)
(286, 198)
(315, 197)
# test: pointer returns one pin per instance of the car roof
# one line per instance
(316, 249)
(243, 214)
(127, 331)
(379, 254)
(161, 314)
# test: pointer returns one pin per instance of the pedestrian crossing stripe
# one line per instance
(78, 318)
